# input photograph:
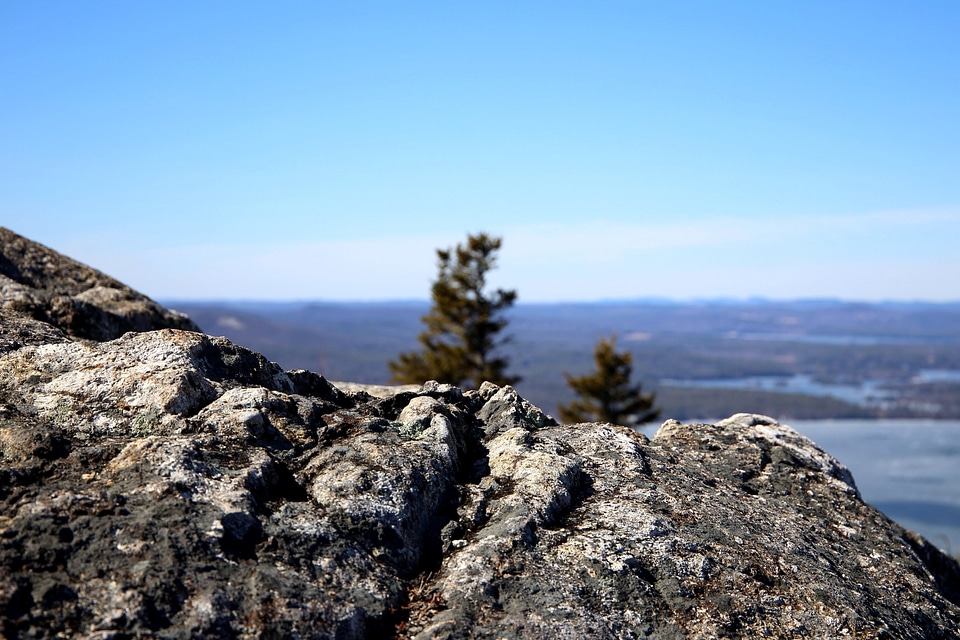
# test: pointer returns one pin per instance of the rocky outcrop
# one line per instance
(172, 484)
(44, 285)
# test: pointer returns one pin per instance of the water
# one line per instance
(908, 469)
(937, 375)
(834, 340)
(869, 393)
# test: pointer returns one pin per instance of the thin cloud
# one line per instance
(604, 241)
(797, 256)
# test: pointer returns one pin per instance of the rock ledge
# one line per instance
(171, 484)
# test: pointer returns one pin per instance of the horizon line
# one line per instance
(643, 300)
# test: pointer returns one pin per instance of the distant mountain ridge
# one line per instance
(890, 345)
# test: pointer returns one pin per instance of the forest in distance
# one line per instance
(707, 360)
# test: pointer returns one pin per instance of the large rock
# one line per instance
(171, 484)
(42, 284)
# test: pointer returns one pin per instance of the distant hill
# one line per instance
(800, 360)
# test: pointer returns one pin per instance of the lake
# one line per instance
(876, 394)
(909, 469)
(868, 393)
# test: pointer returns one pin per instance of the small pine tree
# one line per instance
(607, 395)
(463, 324)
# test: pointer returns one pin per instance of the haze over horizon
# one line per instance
(323, 151)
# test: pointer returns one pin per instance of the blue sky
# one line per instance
(323, 150)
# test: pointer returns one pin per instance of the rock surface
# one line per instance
(44, 285)
(171, 484)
